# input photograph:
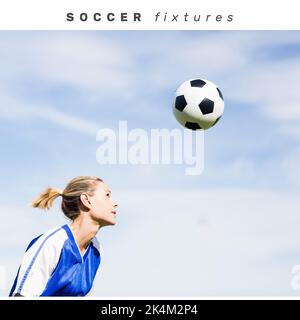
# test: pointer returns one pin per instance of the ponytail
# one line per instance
(46, 198)
(71, 204)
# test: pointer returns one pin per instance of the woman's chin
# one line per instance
(107, 223)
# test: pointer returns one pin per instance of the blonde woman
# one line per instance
(64, 260)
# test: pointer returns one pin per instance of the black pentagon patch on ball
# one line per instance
(198, 83)
(180, 103)
(192, 125)
(220, 94)
(216, 121)
(206, 106)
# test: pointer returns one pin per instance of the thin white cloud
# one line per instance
(12, 108)
(85, 61)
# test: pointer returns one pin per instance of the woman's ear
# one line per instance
(85, 200)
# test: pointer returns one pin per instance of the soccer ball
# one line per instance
(198, 104)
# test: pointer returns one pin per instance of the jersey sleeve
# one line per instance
(37, 266)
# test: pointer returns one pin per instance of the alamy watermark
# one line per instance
(153, 147)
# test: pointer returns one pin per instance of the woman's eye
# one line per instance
(108, 194)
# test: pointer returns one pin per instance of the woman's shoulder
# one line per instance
(54, 234)
(53, 237)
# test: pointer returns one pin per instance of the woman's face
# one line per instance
(102, 206)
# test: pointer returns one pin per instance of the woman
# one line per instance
(64, 260)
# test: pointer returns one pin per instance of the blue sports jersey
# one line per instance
(54, 266)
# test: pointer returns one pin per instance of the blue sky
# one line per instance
(58, 88)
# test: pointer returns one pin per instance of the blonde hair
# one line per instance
(71, 204)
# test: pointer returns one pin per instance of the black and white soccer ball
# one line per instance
(198, 104)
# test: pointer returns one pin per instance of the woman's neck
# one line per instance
(84, 231)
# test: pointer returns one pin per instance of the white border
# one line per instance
(248, 15)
